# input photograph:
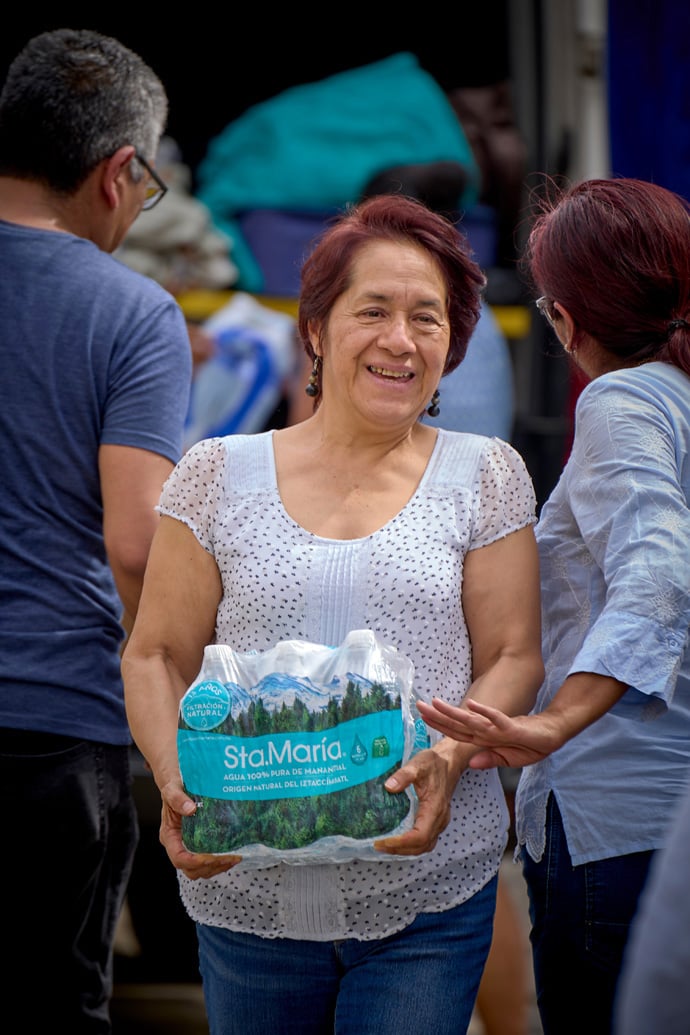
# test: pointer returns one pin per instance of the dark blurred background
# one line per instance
(216, 64)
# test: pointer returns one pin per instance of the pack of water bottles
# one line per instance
(286, 751)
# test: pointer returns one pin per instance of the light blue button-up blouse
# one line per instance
(614, 545)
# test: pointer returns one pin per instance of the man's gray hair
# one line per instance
(71, 98)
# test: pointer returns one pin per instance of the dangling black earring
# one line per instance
(312, 387)
(433, 407)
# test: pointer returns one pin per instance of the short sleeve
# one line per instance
(194, 491)
(505, 500)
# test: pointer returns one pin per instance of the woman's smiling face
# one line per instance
(387, 337)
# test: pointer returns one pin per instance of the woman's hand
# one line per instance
(499, 739)
(194, 865)
(434, 774)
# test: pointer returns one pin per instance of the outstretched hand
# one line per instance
(501, 740)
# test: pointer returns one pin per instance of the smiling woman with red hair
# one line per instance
(359, 517)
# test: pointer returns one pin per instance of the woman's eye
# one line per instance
(429, 319)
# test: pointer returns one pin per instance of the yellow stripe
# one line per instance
(197, 306)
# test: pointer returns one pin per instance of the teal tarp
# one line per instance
(316, 146)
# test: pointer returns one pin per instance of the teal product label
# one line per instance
(289, 765)
(206, 705)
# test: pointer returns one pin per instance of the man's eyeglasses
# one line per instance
(546, 307)
(154, 191)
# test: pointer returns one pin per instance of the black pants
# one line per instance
(69, 835)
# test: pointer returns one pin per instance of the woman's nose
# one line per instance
(396, 335)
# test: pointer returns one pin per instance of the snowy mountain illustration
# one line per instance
(279, 688)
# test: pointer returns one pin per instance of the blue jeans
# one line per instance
(422, 979)
(69, 835)
(581, 917)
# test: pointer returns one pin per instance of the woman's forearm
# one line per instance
(511, 684)
(582, 699)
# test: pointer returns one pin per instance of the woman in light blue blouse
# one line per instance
(606, 750)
